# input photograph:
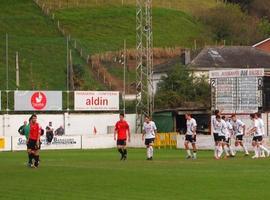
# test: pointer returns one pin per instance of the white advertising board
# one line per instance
(96, 100)
(37, 100)
(58, 142)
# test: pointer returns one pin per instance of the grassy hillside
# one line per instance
(98, 26)
(104, 28)
(184, 5)
(42, 50)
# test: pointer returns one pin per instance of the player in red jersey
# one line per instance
(123, 133)
(33, 142)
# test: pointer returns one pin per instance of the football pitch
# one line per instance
(99, 175)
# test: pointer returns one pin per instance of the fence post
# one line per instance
(75, 44)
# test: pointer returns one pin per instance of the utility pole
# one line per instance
(144, 59)
(124, 78)
(17, 70)
(67, 68)
(7, 74)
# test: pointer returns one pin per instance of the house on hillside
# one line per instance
(263, 45)
(213, 58)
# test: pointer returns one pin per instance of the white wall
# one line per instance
(75, 124)
(1, 125)
(83, 124)
(13, 122)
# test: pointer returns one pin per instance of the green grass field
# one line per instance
(98, 174)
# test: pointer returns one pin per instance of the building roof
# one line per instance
(259, 43)
(231, 57)
(167, 66)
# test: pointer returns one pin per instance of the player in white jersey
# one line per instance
(258, 116)
(228, 148)
(214, 131)
(257, 135)
(256, 130)
(239, 132)
(149, 134)
(191, 136)
(221, 128)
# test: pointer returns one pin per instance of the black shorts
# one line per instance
(239, 137)
(221, 138)
(215, 137)
(149, 141)
(32, 144)
(257, 138)
(121, 142)
(190, 139)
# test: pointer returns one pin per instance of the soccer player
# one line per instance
(221, 128)
(228, 148)
(256, 130)
(258, 116)
(123, 133)
(191, 136)
(149, 134)
(239, 131)
(257, 135)
(34, 140)
(214, 131)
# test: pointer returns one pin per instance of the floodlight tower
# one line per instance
(144, 59)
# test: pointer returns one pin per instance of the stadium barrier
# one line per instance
(166, 140)
(102, 141)
(58, 142)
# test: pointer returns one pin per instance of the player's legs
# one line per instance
(236, 144)
(120, 149)
(187, 141)
(230, 148)
(262, 148)
(149, 143)
(30, 157)
(32, 151)
(220, 147)
(227, 149)
(194, 147)
(255, 147)
(216, 145)
(244, 147)
(36, 158)
(187, 149)
(151, 146)
(124, 149)
(262, 151)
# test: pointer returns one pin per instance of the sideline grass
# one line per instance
(98, 174)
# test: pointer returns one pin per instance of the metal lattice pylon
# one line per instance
(144, 69)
